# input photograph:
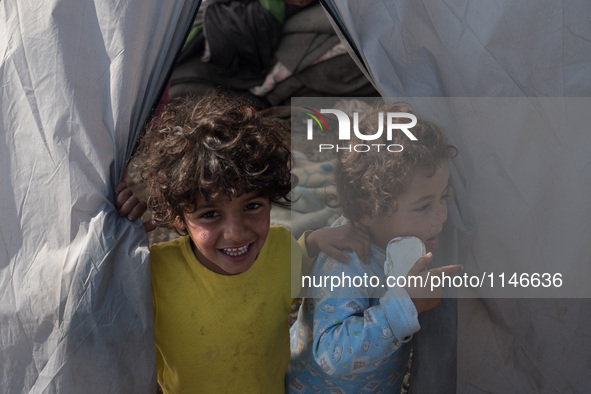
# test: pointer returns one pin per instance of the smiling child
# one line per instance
(221, 293)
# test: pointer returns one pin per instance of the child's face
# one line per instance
(422, 210)
(228, 235)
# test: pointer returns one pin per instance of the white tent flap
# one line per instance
(521, 192)
(78, 79)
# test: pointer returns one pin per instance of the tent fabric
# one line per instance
(78, 80)
(483, 49)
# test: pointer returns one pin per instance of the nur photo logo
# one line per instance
(389, 123)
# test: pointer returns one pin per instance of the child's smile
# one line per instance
(227, 235)
(421, 212)
(236, 252)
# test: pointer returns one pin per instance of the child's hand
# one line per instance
(130, 206)
(424, 297)
(333, 240)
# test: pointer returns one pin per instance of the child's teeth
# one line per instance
(236, 251)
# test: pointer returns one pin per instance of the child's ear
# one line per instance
(366, 220)
(179, 223)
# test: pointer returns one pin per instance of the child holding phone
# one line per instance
(355, 339)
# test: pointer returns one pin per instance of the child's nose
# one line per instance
(235, 228)
(441, 213)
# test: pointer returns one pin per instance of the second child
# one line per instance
(355, 339)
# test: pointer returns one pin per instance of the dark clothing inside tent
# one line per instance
(239, 45)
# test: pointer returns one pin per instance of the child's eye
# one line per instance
(446, 196)
(422, 208)
(209, 215)
(252, 205)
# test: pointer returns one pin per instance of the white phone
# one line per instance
(401, 254)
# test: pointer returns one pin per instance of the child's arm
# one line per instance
(365, 332)
(333, 240)
(130, 206)
(358, 333)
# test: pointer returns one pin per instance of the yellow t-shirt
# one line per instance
(222, 333)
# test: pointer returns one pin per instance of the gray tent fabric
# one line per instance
(77, 81)
(500, 48)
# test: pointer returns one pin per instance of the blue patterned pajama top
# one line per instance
(351, 339)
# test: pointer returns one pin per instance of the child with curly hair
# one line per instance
(355, 340)
(221, 292)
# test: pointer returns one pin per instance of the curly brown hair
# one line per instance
(369, 183)
(215, 147)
